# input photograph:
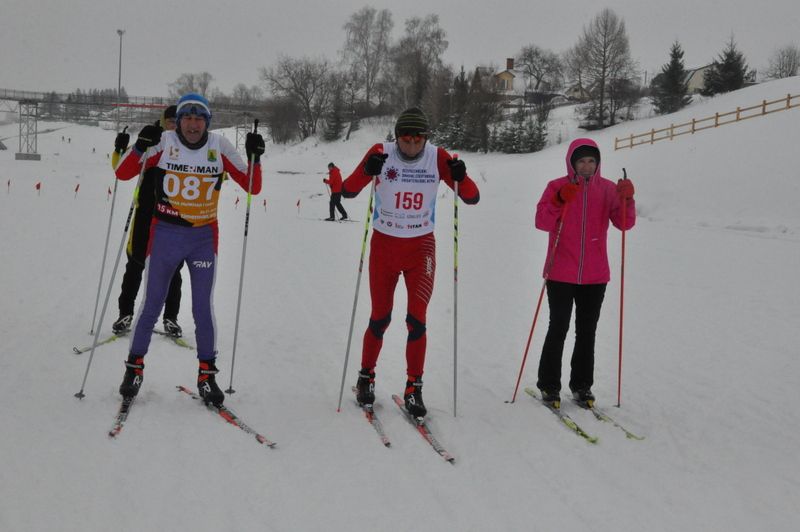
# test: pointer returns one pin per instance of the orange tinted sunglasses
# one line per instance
(412, 138)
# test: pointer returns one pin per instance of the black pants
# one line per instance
(588, 300)
(132, 279)
(336, 201)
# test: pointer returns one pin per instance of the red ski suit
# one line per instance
(403, 242)
(334, 180)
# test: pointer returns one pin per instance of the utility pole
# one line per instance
(119, 75)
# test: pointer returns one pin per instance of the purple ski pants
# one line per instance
(170, 245)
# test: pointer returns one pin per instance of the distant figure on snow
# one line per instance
(335, 182)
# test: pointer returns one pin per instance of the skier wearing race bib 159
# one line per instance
(407, 173)
(191, 162)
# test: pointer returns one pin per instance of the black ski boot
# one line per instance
(413, 397)
(366, 387)
(551, 397)
(172, 328)
(584, 397)
(122, 325)
(207, 383)
(134, 375)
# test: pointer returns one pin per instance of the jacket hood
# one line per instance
(574, 145)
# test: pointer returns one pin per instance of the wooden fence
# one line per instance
(719, 119)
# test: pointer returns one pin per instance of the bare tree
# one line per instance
(283, 117)
(191, 82)
(366, 47)
(542, 66)
(244, 95)
(574, 65)
(304, 81)
(607, 52)
(784, 62)
(416, 59)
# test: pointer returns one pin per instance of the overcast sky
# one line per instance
(65, 45)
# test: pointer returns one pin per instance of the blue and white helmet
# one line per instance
(193, 104)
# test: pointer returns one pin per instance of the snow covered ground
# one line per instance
(710, 373)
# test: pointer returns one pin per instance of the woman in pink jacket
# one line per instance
(576, 210)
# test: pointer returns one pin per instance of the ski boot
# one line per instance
(122, 325)
(365, 387)
(172, 328)
(134, 375)
(413, 397)
(207, 383)
(583, 397)
(551, 398)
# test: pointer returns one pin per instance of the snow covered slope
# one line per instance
(710, 370)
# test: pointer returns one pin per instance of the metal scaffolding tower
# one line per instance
(28, 131)
(242, 130)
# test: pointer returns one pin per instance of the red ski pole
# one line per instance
(622, 292)
(541, 296)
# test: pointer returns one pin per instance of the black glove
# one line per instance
(458, 170)
(121, 142)
(254, 146)
(149, 136)
(374, 163)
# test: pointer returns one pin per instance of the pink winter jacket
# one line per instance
(581, 256)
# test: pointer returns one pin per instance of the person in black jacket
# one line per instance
(138, 240)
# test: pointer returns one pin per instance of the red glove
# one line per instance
(566, 194)
(625, 189)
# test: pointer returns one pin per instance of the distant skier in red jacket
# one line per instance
(335, 182)
(576, 210)
(407, 175)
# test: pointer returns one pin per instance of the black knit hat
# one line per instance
(584, 151)
(170, 111)
(167, 114)
(412, 121)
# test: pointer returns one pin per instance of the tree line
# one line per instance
(378, 74)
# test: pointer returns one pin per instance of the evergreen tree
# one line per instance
(451, 131)
(727, 73)
(535, 135)
(669, 87)
(335, 121)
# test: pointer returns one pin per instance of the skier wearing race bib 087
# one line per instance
(407, 173)
(191, 163)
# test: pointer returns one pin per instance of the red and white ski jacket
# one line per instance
(405, 191)
(188, 186)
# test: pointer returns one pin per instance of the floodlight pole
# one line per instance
(119, 75)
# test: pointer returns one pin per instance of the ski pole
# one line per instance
(358, 285)
(622, 292)
(80, 394)
(230, 389)
(105, 247)
(455, 294)
(541, 296)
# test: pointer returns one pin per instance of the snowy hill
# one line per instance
(709, 378)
